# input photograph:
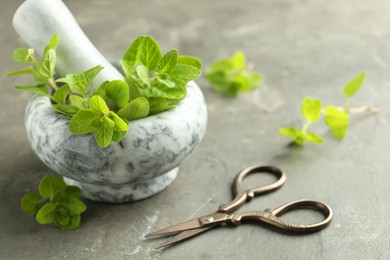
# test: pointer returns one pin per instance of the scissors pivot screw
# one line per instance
(209, 219)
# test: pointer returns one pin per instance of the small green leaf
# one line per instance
(77, 83)
(167, 82)
(98, 105)
(150, 53)
(46, 67)
(81, 122)
(46, 214)
(182, 74)
(72, 191)
(337, 121)
(313, 137)
(24, 55)
(299, 136)
(241, 83)
(30, 203)
(238, 61)
(91, 73)
(354, 85)
(74, 222)
(61, 217)
(101, 91)
(131, 57)
(168, 61)
(120, 125)
(137, 108)
(143, 74)
(118, 91)
(50, 185)
(53, 43)
(118, 135)
(190, 61)
(79, 102)
(23, 71)
(65, 109)
(42, 89)
(294, 133)
(104, 134)
(75, 206)
(61, 94)
(158, 89)
(158, 104)
(311, 109)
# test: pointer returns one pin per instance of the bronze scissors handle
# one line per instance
(242, 195)
(271, 217)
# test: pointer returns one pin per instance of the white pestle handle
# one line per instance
(36, 21)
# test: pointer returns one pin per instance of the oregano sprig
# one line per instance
(56, 203)
(154, 83)
(336, 118)
(160, 79)
(232, 75)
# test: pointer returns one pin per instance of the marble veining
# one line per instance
(141, 163)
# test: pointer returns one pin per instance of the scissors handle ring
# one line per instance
(271, 217)
(242, 195)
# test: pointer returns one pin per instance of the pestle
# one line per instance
(37, 20)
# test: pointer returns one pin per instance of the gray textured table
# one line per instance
(302, 48)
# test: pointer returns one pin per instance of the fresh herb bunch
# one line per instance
(336, 118)
(56, 203)
(231, 76)
(153, 83)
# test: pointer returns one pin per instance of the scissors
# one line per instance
(225, 212)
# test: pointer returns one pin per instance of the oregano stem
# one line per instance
(53, 84)
(363, 109)
(305, 126)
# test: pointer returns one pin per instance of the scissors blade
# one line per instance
(184, 235)
(188, 225)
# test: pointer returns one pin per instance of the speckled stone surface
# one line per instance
(301, 48)
(152, 147)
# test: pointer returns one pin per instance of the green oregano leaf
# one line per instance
(311, 109)
(81, 122)
(137, 108)
(65, 109)
(23, 71)
(143, 74)
(49, 185)
(30, 203)
(168, 61)
(46, 214)
(131, 57)
(60, 96)
(118, 135)
(41, 89)
(337, 121)
(24, 55)
(120, 125)
(46, 67)
(118, 91)
(238, 61)
(354, 85)
(105, 132)
(61, 217)
(190, 61)
(313, 137)
(98, 105)
(231, 75)
(150, 53)
(182, 74)
(74, 206)
(79, 102)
